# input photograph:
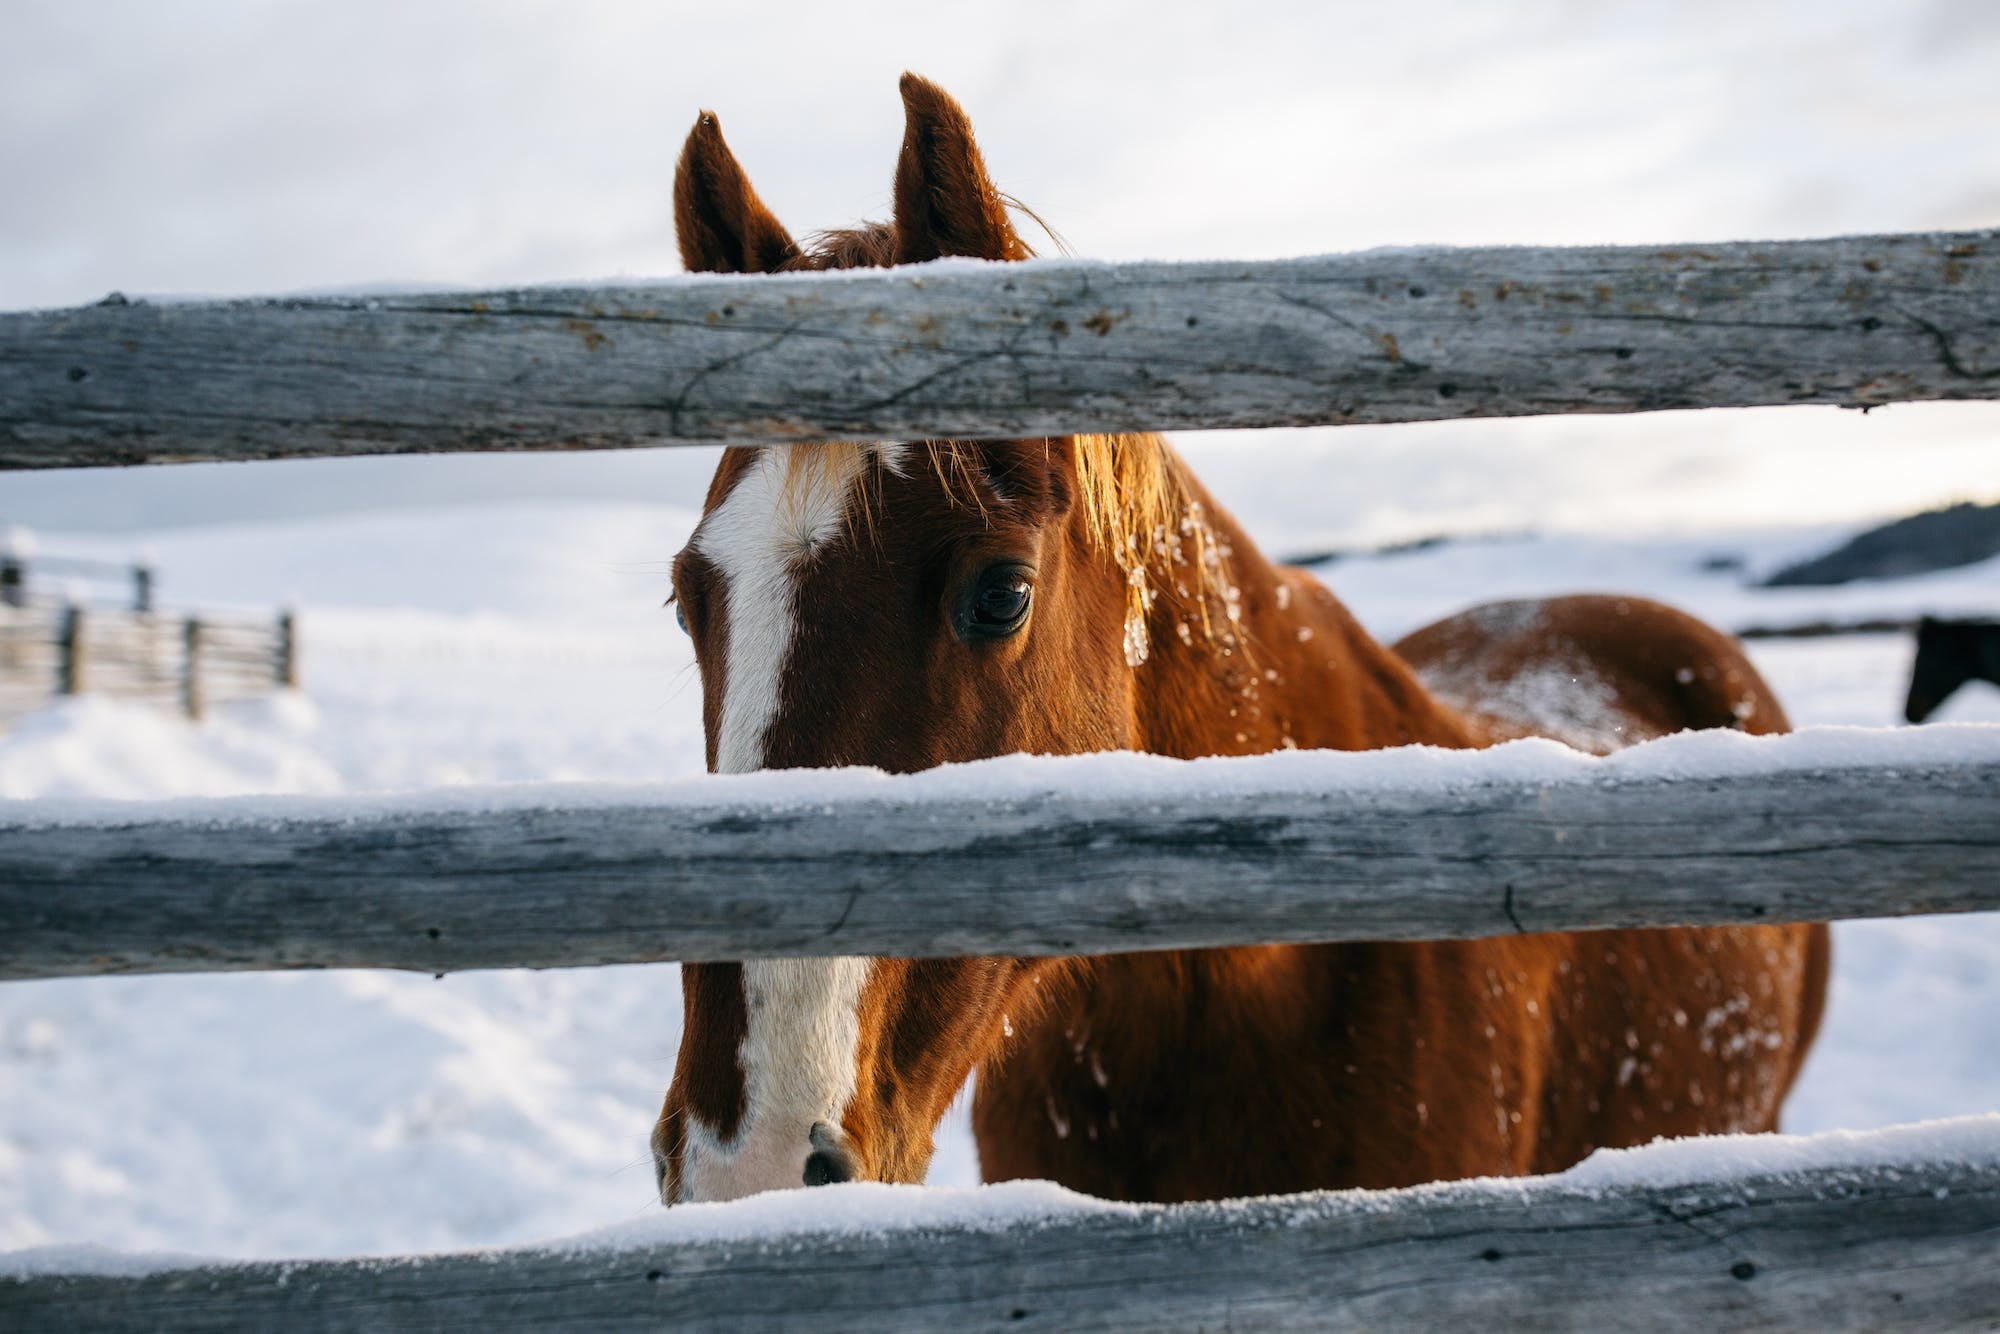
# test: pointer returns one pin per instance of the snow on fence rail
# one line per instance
(1893, 1229)
(1022, 855)
(968, 349)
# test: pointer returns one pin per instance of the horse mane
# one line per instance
(872, 245)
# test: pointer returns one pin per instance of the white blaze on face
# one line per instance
(798, 1054)
(757, 539)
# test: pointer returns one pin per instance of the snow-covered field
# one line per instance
(359, 1112)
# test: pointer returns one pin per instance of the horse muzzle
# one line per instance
(831, 1161)
(705, 1171)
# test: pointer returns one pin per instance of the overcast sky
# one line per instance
(225, 148)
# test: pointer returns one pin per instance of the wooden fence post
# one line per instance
(286, 667)
(71, 674)
(191, 666)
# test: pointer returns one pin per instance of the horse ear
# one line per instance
(945, 202)
(722, 225)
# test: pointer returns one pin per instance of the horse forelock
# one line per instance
(872, 245)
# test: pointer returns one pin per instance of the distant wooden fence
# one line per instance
(1054, 347)
(187, 662)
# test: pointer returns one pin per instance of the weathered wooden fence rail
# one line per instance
(1908, 1245)
(1010, 350)
(1072, 870)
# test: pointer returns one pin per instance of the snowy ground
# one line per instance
(262, 1115)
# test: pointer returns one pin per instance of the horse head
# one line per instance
(1949, 653)
(901, 605)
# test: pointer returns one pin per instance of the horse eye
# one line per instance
(680, 616)
(1001, 604)
(996, 604)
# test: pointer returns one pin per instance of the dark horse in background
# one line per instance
(905, 604)
(1950, 653)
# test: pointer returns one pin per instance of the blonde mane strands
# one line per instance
(817, 477)
(1139, 512)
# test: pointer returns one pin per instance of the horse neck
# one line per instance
(1294, 669)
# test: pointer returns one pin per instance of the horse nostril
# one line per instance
(826, 1169)
(831, 1162)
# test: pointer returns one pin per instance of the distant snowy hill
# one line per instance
(1940, 539)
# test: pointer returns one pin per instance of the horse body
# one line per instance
(905, 605)
(1208, 1073)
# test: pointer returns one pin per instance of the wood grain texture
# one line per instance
(1018, 350)
(1042, 875)
(1842, 1249)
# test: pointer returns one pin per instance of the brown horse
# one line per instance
(906, 605)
